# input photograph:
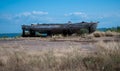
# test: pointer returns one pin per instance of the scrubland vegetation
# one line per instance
(105, 34)
(106, 57)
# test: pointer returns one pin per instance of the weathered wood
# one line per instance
(66, 28)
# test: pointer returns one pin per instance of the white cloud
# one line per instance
(25, 14)
(80, 14)
(26, 17)
(39, 13)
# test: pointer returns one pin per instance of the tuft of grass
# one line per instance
(105, 34)
(110, 54)
(98, 34)
(111, 33)
(54, 37)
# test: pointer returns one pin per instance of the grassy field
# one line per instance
(104, 57)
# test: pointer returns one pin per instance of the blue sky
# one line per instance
(14, 13)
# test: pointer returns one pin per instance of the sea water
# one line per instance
(9, 35)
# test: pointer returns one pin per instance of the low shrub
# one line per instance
(98, 34)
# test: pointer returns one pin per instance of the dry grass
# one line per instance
(104, 34)
(88, 36)
(105, 58)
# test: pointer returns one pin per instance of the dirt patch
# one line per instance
(49, 43)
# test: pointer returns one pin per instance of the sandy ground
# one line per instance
(38, 43)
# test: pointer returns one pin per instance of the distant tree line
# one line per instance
(116, 29)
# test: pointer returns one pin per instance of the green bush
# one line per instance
(83, 32)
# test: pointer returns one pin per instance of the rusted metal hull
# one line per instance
(51, 29)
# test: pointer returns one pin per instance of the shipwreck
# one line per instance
(57, 28)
